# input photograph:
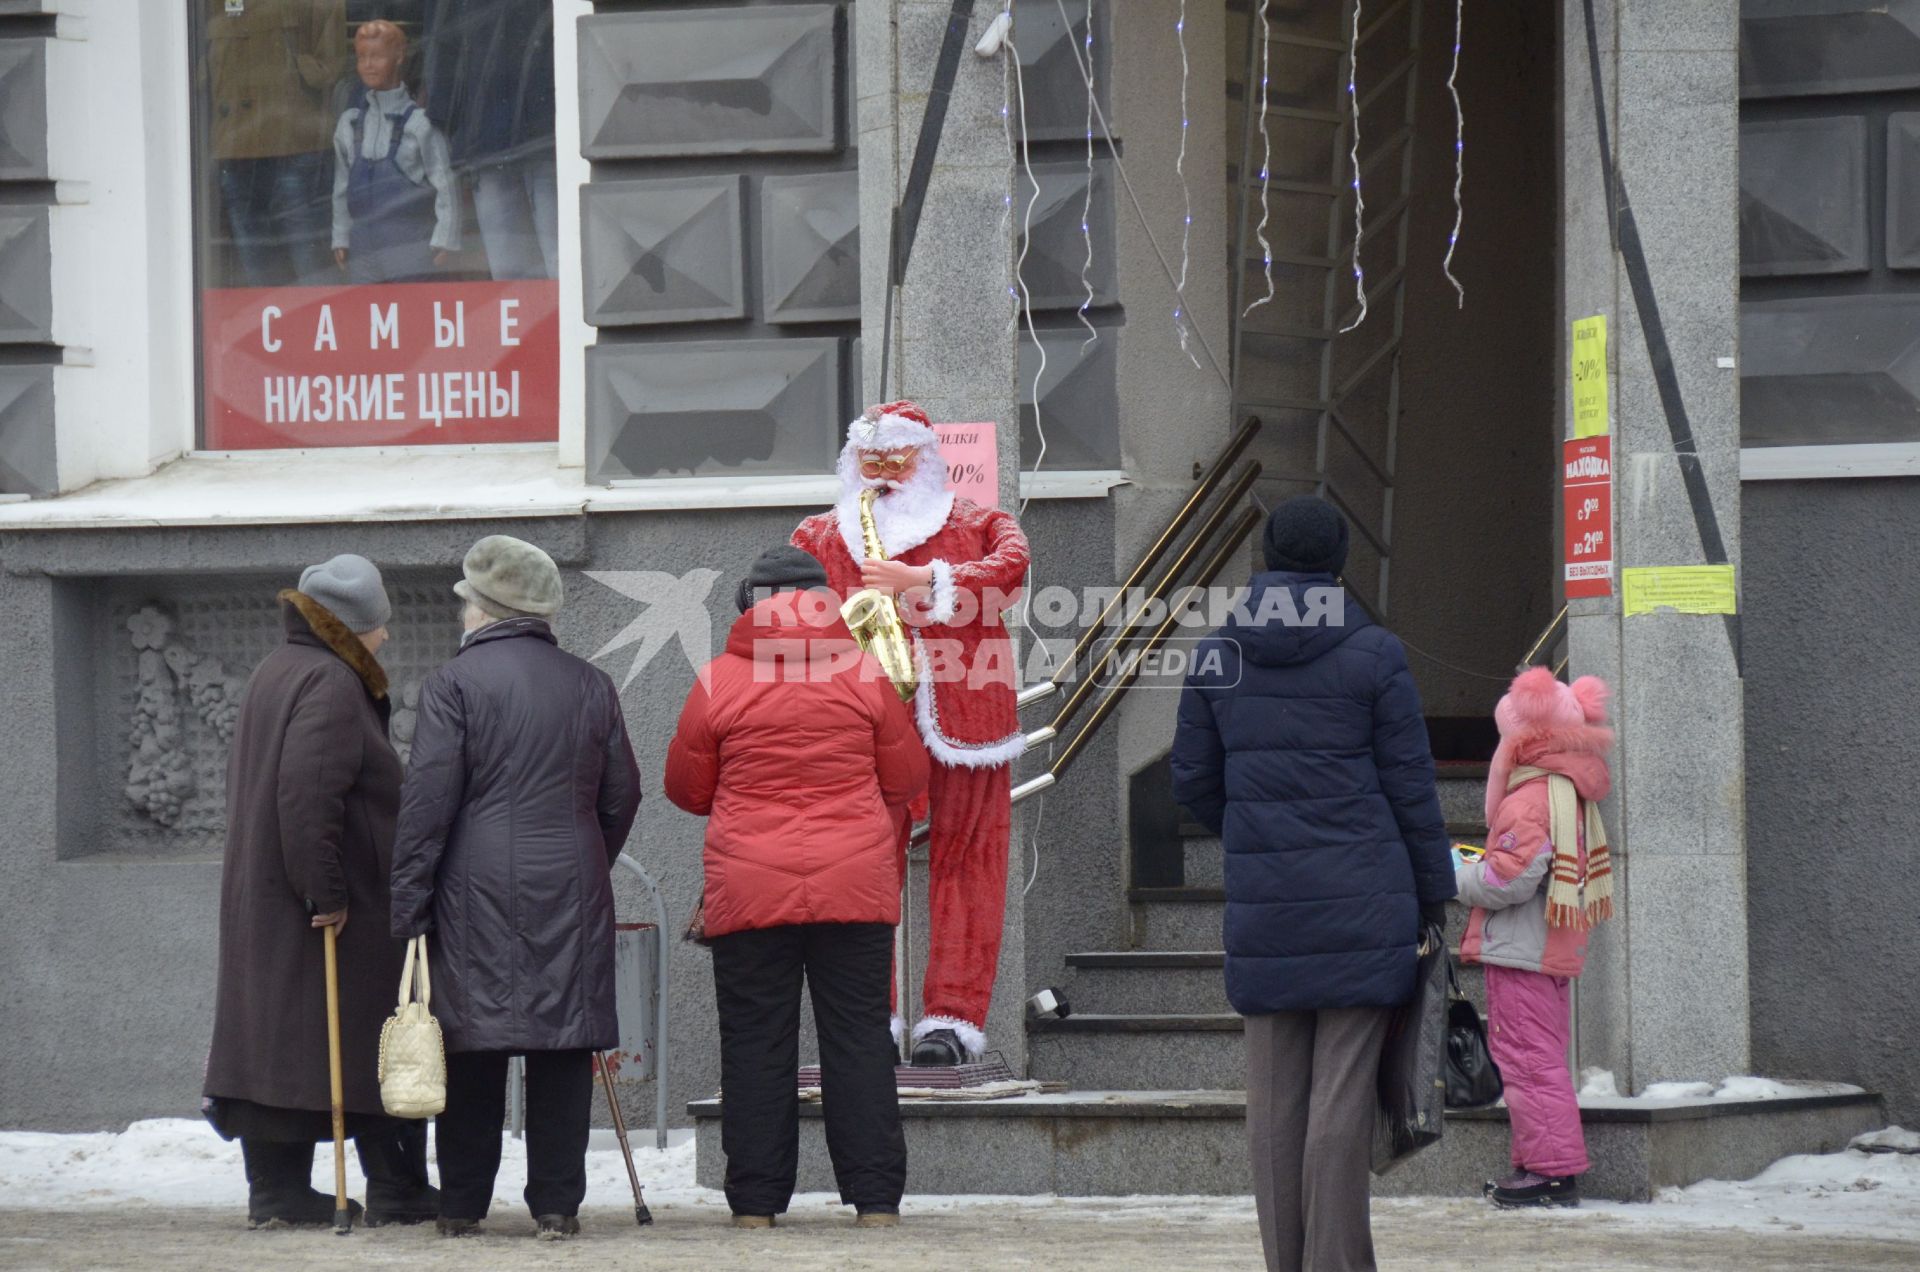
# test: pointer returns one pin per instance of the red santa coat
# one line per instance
(965, 701)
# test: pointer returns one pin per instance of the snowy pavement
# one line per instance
(171, 1194)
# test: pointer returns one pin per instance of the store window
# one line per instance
(376, 222)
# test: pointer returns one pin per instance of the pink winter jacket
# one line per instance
(1508, 887)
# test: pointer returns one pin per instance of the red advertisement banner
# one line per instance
(1587, 494)
(398, 364)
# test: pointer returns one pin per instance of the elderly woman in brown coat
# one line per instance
(313, 789)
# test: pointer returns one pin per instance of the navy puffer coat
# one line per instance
(1303, 746)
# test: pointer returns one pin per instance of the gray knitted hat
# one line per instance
(509, 577)
(349, 587)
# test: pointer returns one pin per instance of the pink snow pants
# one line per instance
(1529, 1017)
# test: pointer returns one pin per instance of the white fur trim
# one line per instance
(898, 1027)
(946, 596)
(926, 714)
(972, 1037)
(882, 431)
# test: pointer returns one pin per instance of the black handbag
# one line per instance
(1413, 1080)
(1473, 1079)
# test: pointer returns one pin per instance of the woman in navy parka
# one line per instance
(1302, 745)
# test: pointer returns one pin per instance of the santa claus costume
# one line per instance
(964, 702)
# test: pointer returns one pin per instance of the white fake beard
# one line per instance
(909, 512)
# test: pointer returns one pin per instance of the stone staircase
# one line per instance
(1152, 1062)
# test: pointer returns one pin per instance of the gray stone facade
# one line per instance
(28, 457)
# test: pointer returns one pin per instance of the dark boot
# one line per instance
(1535, 1191)
(280, 1192)
(939, 1048)
(556, 1227)
(395, 1163)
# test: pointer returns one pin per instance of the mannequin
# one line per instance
(396, 209)
(271, 65)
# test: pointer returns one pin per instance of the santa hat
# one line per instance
(891, 424)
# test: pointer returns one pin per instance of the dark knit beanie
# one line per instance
(1306, 535)
(782, 569)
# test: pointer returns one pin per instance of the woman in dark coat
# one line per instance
(521, 791)
(1303, 746)
(312, 791)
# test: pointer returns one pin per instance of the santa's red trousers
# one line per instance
(970, 814)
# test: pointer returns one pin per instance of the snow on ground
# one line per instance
(1600, 1084)
(1870, 1190)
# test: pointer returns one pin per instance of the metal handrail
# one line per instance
(1236, 445)
(1222, 554)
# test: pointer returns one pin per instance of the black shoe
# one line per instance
(1514, 1180)
(939, 1048)
(279, 1194)
(557, 1227)
(1536, 1191)
(396, 1170)
(457, 1227)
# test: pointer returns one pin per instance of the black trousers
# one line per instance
(559, 1105)
(756, 980)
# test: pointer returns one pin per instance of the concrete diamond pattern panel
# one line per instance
(1830, 370)
(761, 407)
(26, 431)
(1803, 196)
(1792, 48)
(23, 110)
(663, 251)
(1903, 190)
(1056, 92)
(708, 82)
(1079, 400)
(1057, 248)
(810, 247)
(26, 277)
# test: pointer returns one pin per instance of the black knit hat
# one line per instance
(782, 569)
(1306, 535)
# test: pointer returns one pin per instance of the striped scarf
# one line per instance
(1574, 900)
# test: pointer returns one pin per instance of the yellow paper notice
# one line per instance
(1687, 589)
(1590, 376)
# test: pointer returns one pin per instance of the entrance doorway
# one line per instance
(1431, 420)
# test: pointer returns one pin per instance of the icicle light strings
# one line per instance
(1186, 194)
(1140, 213)
(1359, 199)
(1086, 203)
(1023, 296)
(1006, 120)
(1459, 154)
(1266, 161)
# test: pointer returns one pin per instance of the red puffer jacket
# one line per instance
(803, 759)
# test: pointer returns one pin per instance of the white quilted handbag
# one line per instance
(413, 1057)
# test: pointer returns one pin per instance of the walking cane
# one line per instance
(641, 1215)
(342, 1216)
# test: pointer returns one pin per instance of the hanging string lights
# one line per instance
(1359, 198)
(1459, 154)
(1180, 320)
(1086, 204)
(1266, 161)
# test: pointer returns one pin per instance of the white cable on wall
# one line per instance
(1459, 154)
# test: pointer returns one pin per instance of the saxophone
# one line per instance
(873, 618)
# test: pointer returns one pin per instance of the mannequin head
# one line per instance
(379, 51)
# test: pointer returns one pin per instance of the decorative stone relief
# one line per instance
(160, 771)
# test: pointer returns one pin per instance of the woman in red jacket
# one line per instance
(795, 747)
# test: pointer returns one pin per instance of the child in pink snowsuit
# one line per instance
(1545, 880)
